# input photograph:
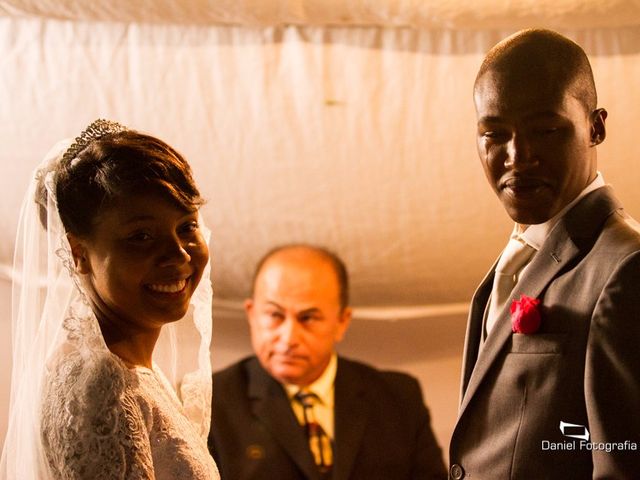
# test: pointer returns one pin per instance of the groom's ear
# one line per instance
(598, 130)
(79, 253)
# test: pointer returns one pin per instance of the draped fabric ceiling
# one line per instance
(348, 124)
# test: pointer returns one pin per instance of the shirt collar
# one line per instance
(535, 235)
(323, 386)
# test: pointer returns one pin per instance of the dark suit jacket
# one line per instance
(382, 428)
(581, 367)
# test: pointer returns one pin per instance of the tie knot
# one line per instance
(515, 255)
(306, 398)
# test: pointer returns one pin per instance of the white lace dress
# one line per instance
(113, 422)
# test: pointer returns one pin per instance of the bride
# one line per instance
(108, 264)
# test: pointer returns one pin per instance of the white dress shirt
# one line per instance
(535, 235)
(323, 388)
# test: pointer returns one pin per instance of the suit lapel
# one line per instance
(474, 328)
(351, 414)
(542, 270)
(271, 406)
(572, 236)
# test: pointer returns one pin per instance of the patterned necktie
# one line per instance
(515, 255)
(319, 441)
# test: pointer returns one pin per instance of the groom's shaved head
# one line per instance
(536, 51)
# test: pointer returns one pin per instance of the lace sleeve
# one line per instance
(91, 425)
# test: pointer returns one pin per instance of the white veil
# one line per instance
(50, 313)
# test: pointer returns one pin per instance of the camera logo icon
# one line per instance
(574, 430)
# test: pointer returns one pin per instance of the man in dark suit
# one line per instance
(552, 392)
(361, 424)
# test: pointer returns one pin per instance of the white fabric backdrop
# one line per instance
(358, 138)
(361, 139)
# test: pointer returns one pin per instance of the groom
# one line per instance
(553, 393)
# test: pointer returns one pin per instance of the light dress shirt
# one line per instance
(535, 235)
(324, 388)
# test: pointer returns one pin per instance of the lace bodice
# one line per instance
(107, 421)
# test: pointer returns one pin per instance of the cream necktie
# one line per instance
(515, 255)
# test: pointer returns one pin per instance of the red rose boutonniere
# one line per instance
(525, 315)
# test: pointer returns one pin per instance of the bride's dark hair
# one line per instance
(118, 164)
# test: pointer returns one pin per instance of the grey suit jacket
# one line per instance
(382, 428)
(581, 367)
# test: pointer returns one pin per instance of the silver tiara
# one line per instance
(96, 130)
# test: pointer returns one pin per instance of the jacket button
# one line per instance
(456, 472)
